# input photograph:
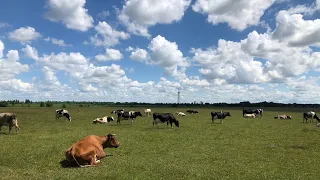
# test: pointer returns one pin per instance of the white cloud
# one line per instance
(111, 55)
(294, 29)
(88, 88)
(238, 14)
(24, 34)
(103, 14)
(1, 49)
(15, 86)
(30, 52)
(139, 55)
(167, 55)
(138, 15)
(71, 13)
(11, 66)
(4, 25)
(58, 42)
(72, 62)
(107, 36)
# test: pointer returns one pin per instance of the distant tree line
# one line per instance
(64, 104)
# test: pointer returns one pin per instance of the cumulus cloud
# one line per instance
(138, 54)
(138, 15)
(58, 42)
(11, 66)
(110, 55)
(107, 36)
(167, 55)
(70, 13)
(30, 52)
(238, 14)
(24, 34)
(297, 31)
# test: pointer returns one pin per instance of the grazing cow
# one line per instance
(62, 113)
(180, 114)
(192, 111)
(283, 116)
(164, 117)
(125, 115)
(220, 115)
(10, 120)
(147, 112)
(253, 115)
(89, 150)
(103, 120)
(310, 115)
(250, 111)
(117, 111)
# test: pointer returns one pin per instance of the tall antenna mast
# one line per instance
(178, 96)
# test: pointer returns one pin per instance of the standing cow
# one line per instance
(125, 115)
(310, 115)
(10, 120)
(147, 112)
(220, 115)
(62, 113)
(164, 118)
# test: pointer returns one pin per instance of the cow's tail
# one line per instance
(69, 155)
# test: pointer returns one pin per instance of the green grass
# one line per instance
(238, 149)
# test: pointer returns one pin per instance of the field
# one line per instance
(261, 148)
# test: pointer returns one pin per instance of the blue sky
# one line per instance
(144, 51)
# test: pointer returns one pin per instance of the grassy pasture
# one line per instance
(238, 149)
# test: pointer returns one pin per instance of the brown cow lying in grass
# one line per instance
(88, 151)
(10, 120)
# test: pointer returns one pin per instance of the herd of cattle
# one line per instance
(89, 150)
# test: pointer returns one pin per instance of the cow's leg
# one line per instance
(221, 121)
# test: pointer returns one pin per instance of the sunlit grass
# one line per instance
(261, 148)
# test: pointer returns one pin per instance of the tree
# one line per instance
(42, 104)
(27, 101)
(49, 104)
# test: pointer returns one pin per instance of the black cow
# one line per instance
(251, 111)
(192, 111)
(125, 115)
(164, 117)
(220, 115)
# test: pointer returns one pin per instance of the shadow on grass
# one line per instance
(301, 147)
(67, 164)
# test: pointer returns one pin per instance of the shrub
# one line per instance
(64, 105)
(42, 104)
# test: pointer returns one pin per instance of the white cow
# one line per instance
(10, 120)
(250, 115)
(103, 120)
(180, 113)
(147, 112)
(283, 116)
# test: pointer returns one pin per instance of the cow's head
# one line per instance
(227, 114)
(138, 113)
(289, 117)
(111, 141)
(176, 122)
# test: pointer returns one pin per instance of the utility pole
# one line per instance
(178, 96)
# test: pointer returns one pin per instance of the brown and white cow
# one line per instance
(89, 150)
(10, 120)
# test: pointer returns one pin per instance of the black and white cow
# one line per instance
(251, 111)
(103, 120)
(192, 111)
(164, 118)
(125, 115)
(62, 113)
(116, 111)
(310, 115)
(220, 115)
